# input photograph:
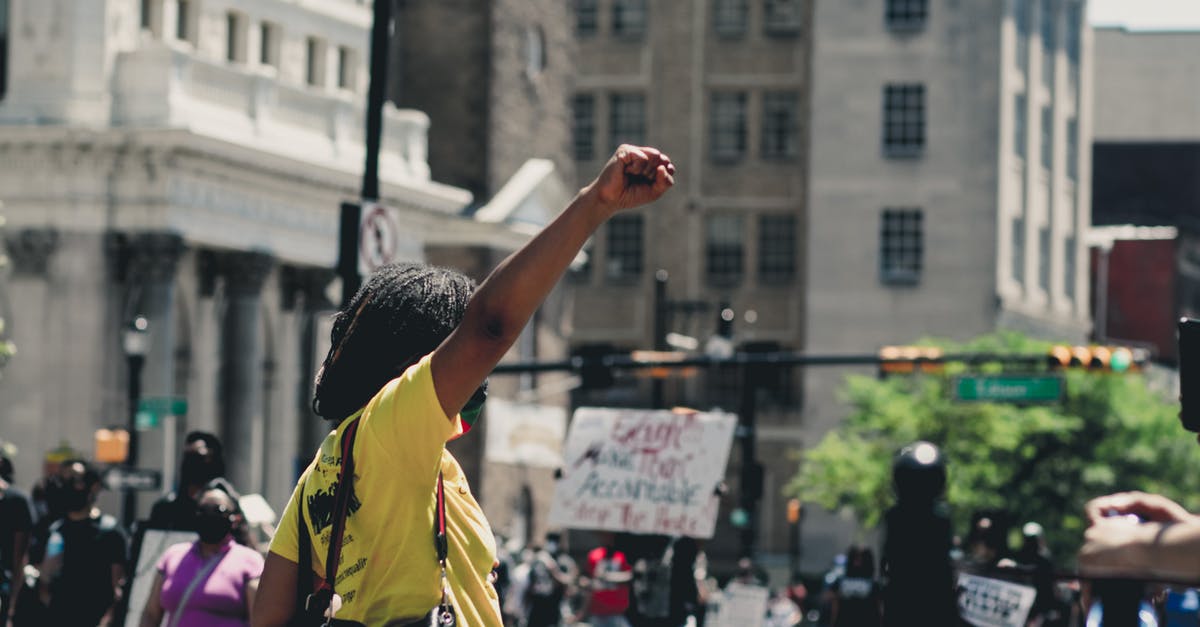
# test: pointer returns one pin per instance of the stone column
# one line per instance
(25, 420)
(242, 376)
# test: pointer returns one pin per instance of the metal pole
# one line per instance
(129, 506)
(351, 213)
(751, 479)
(660, 330)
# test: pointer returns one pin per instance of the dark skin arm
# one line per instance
(276, 597)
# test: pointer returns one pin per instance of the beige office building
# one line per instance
(949, 184)
(722, 87)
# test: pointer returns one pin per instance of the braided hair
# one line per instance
(398, 316)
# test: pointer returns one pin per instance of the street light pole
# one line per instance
(135, 342)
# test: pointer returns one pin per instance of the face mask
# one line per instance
(74, 499)
(196, 470)
(552, 547)
(213, 527)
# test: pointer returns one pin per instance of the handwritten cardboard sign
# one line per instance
(988, 602)
(642, 471)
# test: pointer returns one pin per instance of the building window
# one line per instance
(728, 126)
(780, 124)
(1049, 40)
(1073, 148)
(235, 37)
(268, 52)
(723, 249)
(1069, 267)
(1018, 249)
(587, 17)
(347, 66)
(314, 62)
(777, 248)
(185, 21)
(151, 17)
(629, 18)
(1047, 137)
(583, 131)
(1021, 17)
(1020, 130)
(3, 48)
(626, 120)
(535, 50)
(906, 15)
(731, 18)
(901, 246)
(1044, 258)
(903, 120)
(782, 17)
(1074, 21)
(623, 260)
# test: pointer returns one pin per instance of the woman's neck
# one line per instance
(209, 550)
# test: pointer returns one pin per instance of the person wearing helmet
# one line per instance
(917, 573)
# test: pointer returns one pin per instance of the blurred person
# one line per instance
(1033, 557)
(781, 611)
(551, 574)
(686, 582)
(514, 607)
(409, 351)
(610, 576)
(17, 519)
(1181, 608)
(987, 541)
(203, 460)
(84, 565)
(918, 586)
(209, 582)
(748, 573)
(856, 600)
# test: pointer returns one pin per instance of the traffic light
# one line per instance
(1100, 358)
(793, 511)
(910, 359)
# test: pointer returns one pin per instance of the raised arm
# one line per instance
(507, 299)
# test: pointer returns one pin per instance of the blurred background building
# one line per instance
(948, 191)
(722, 87)
(184, 161)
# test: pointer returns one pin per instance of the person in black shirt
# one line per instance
(202, 462)
(84, 565)
(16, 524)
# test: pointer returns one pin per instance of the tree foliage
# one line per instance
(1111, 432)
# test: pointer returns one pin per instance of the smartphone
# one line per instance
(1189, 374)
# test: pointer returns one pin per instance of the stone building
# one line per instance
(721, 86)
(949, 187)
(184, 161)
(494, 77)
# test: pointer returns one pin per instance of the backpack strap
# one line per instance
(321, 599)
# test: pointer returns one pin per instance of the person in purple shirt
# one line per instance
(210, 582)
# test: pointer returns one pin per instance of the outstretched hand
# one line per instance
(633, 176)
(1147, 507)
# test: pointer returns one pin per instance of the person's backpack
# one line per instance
(652, 585)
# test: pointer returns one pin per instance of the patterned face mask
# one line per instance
(474, 407)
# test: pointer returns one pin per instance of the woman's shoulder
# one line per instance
(174, 554)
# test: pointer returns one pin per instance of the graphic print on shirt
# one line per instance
(321, 502)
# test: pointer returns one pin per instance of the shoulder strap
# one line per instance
(304, 575)
(200, 576)
(341, 505)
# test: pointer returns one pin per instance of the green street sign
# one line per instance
(1009, 388)
(164, 405)
(146, 420)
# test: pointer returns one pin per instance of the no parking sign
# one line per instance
(383, 240)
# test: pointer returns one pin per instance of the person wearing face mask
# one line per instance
(84, 564)
(202, 462)
(209, 582)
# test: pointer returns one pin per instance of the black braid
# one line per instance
(401, 313)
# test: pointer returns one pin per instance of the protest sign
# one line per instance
(742, 605)
(643, 471)
(985, 602)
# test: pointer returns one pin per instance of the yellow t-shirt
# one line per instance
(388, 568)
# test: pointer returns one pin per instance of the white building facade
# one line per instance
(949, 186)
(184, 160)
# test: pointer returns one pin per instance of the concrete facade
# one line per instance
(681, 63)
(1142, 80)
(190, 169)
(976, 180)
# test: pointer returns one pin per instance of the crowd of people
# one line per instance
(65, 562)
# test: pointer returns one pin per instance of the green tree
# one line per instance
(1111, 432)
